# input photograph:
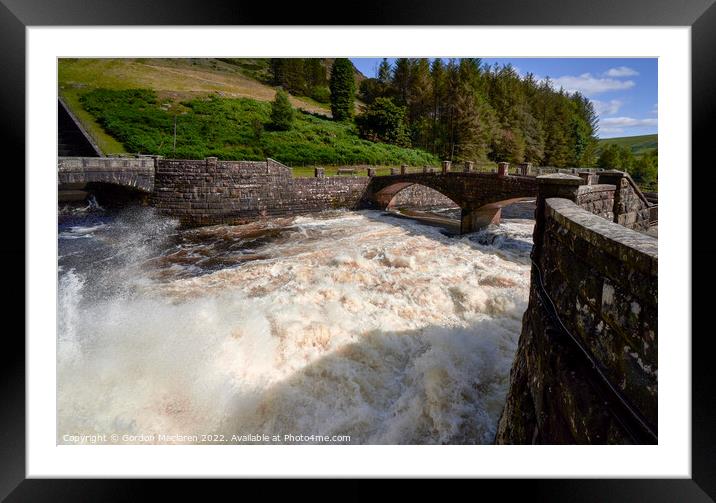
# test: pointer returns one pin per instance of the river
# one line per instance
(367, 325)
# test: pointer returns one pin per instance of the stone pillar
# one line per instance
(558, 185)
(503, 169)
(371, 171)
(526, 168)
(446, 166)
(319, 172)
(555, 185)
(469, 167)
(616, 178)
(394, 171)
(211, 162)
(586, 176)
(403, 169)
(474, 220)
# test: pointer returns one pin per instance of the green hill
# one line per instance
(233, 128)
(639, 145)
(222, 109)
(172, 79)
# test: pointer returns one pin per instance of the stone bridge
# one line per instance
(209, 191)
(136, 174)
(480, 196)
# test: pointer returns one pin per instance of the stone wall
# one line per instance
(597, 199)
(600, 280)
(209, 191)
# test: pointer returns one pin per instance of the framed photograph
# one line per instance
(423, 245)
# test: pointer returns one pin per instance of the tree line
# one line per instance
(458, 110)
(466, 110)
(462, 109)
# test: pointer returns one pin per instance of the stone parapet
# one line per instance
(601, 281)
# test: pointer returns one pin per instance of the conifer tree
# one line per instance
(343, 88)
(401, 80)
(437, 75)
(281, 112)
(384, 72)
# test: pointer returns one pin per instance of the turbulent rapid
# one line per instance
(366, 325)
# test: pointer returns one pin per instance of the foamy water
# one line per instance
(343, 323)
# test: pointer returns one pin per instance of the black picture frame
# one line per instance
(700, 15)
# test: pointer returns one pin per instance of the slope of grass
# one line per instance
(639, 145)
(173, 79)
(233, 128)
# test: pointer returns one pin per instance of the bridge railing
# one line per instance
(104, 163)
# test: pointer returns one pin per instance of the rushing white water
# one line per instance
(343, 323)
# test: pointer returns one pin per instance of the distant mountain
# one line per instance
(639, 145)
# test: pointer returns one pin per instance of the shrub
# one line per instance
(281, 112)
(384, 121)
(321, 94)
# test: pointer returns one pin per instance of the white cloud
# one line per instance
(588, 84)
(610, 131)
(622, 71)
(621, 122)
(655, 110)
(606, 107)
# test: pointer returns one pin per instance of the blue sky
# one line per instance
(623, 90)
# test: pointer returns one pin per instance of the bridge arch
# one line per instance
(480, 196)
(112, 180)
(108, 194)
(389, 196)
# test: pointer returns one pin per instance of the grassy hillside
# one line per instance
(233, 128)
(639, 145)
(172, 79)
